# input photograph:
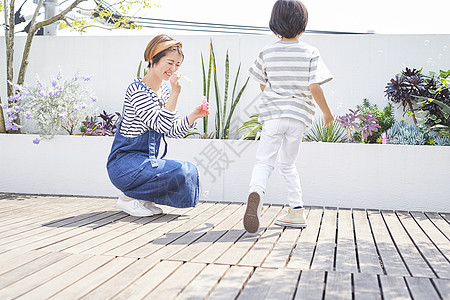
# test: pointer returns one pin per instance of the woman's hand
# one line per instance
(175, 83)
(197, 113)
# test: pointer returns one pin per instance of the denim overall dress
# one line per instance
(134, 169)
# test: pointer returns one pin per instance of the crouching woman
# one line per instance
(134, 165)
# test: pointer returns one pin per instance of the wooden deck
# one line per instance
(71, 248)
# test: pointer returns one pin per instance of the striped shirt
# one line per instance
(287, 69)
(143, 110)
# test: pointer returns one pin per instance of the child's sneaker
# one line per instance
(253, 210)
(295, 217)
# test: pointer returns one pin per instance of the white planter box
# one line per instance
(338, 175)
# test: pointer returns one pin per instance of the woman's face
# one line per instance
(168, 65)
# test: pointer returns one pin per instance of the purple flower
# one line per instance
(87, 78)
(28, 115)
(63, 115)
(54, 83)
(41, 93)
(36, 141)
(14, 98)
(40, 84)
(59, 76)
(94, 99)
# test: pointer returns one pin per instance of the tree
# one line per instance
(101, 15)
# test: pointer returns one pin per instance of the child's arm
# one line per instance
(319, 97)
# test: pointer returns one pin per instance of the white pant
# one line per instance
(283, 137)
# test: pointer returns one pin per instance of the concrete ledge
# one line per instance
(339, 175)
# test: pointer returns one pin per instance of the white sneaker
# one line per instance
(253, 210)
(134, 208)
(152, 206)
(293, 218)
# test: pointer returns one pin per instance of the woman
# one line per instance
(149, 113)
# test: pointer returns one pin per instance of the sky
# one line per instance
(380, 16)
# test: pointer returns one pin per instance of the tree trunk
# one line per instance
(2, 119)
(9, 38)
(412, 111)
(35, 27)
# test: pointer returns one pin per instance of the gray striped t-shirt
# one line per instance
(287, 69)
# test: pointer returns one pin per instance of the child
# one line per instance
(290, 74)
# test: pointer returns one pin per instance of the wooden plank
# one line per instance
(126, 245)
(325, 250)
(204, 283)
(194, 249)
(440, 223)
(34, 280)
(394, 288)
(339, 286)
(14, 258)
(174, 246)
(446, 216)
(94, 241)
(392, 262)
(94, 279)
(311, 285)
(143, 285)
(67, 278)
(122, 244)
(433, 233)
(46, 220)
(20, 240)
(433, 256)
(121, 280)
(281, 252)
(231, 284)
(164, 236)
(41, 241)
(262, 247)
(366, 286)
(176, 282)
(443, 287)
(29, 268)
(220, 246)
(369, 261)
(32, 218)
(416, 264)
(304, 250)
(345, 247)
(421, 288)
(256, 287)
(284, 284)
(238, 250)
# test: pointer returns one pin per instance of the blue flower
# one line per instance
(36, 141)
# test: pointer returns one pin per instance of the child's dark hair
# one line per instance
(289, 18)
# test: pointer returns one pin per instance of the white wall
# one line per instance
(339, 175)
(361, 64)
